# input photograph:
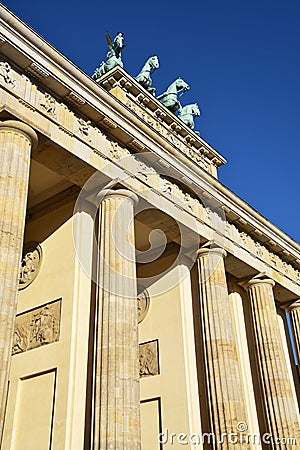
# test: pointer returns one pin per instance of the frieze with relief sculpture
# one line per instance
(235, 234)
(259, 250)
(189, 201)
(262, 252)
(196, 155)
(84, 127)
(166, 187)
(144, 170)
(6, 74)
(48, 103)
(137, 109)
(116, 151)
(285, 267)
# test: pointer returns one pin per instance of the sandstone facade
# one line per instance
(149, 307)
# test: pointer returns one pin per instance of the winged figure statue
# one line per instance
(113, 56)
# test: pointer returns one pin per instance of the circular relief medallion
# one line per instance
(143, 303)
(30, 264)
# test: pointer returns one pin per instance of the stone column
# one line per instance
(277, 397)
(225, 391)
(294, 310)
(116, 396)
(16, 141)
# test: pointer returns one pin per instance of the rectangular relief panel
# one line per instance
(149, 358)
(37, 327)
(151, 423)
(34, 412)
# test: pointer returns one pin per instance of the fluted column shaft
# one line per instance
(16, 141)
(117, 402)
(225, 391)
(294, 311)
(279, 403)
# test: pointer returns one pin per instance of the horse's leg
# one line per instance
(179, 107)
(101, 70)
(150, 88)
(174, 107)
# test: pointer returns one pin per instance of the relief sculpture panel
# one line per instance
(37, 327)
(30, 264)
(149, 362)
(143, 303)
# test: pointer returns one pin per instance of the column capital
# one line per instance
(105, 194)
(21, 127)
(210, 248)
(260, 279)
(292, 306)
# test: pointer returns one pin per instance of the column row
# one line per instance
(225, 391)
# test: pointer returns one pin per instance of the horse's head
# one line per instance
(154, 63)
(195, 109)
(181, 84)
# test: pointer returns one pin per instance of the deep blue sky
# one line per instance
(242, 61)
